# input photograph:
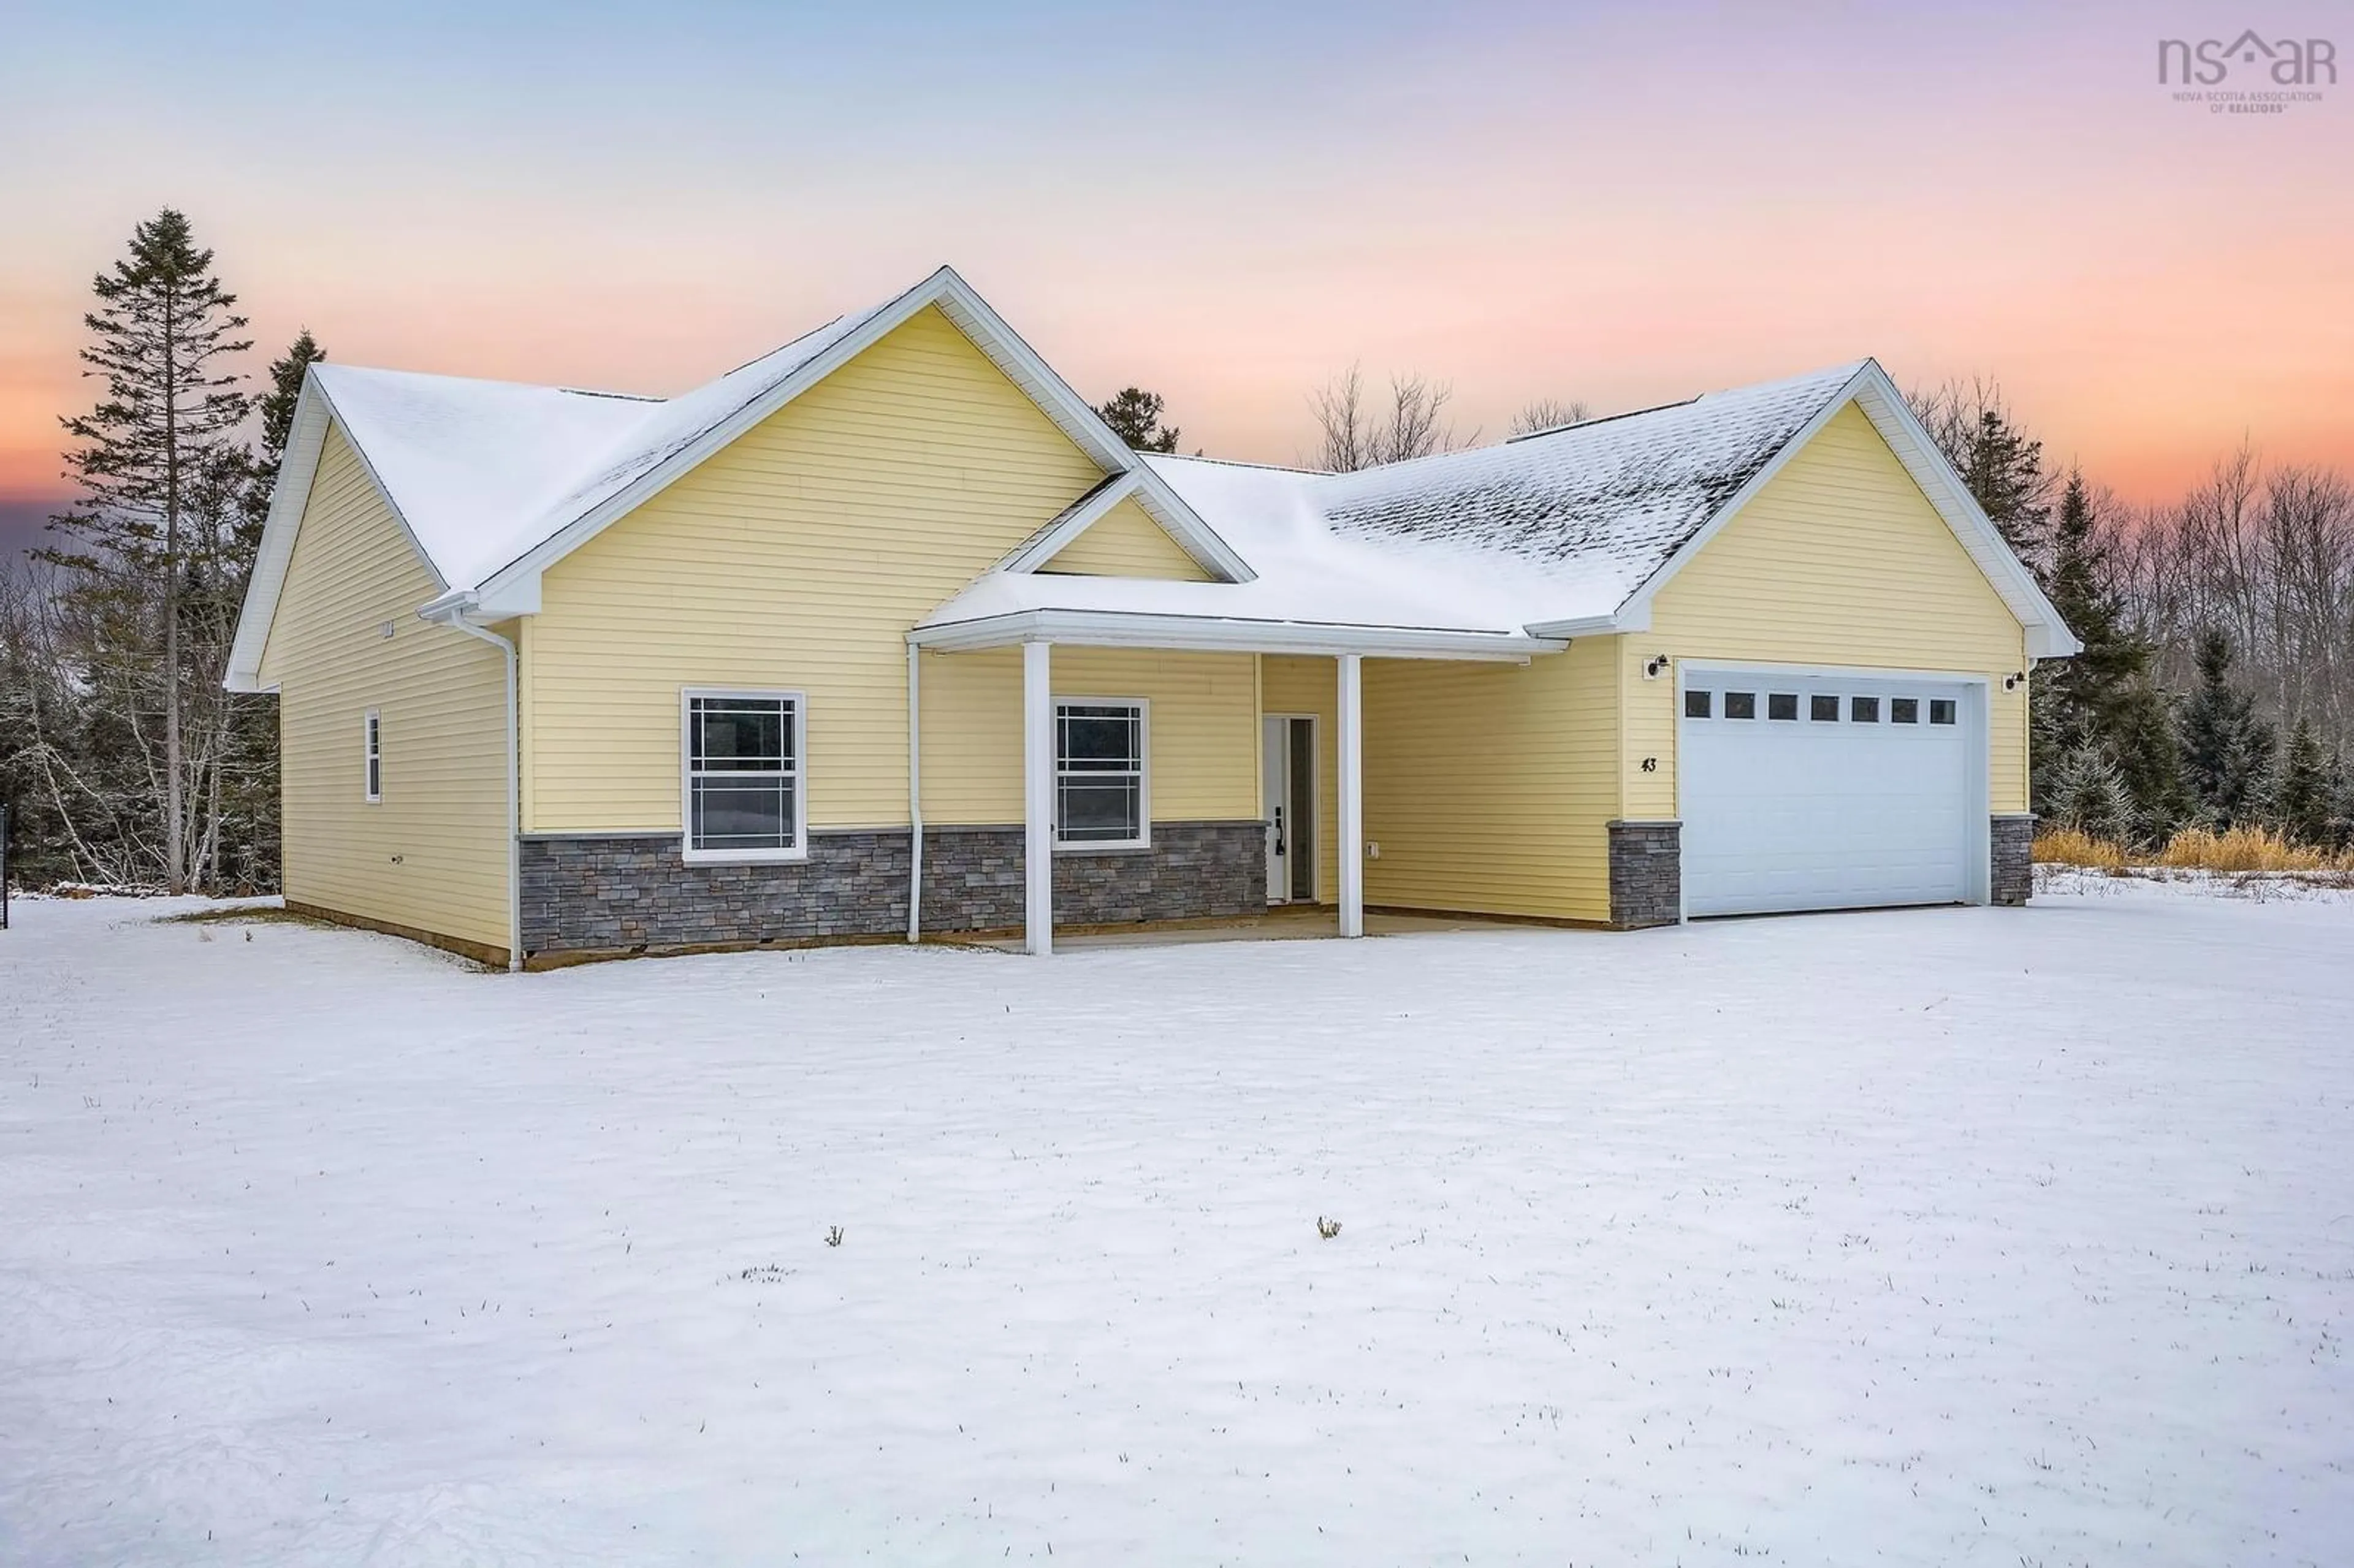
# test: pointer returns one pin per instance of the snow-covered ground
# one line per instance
(1962, 1236)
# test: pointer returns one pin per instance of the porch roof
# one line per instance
(1002, 608)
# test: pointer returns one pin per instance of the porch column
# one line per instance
(1037, 799)
(1353, 797)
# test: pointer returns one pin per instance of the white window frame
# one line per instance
(798, 773)
(372, 757)
(1143, 840)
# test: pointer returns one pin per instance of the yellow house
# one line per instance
(886, 634)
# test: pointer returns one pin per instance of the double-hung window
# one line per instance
(745, 799)
(1101, 800)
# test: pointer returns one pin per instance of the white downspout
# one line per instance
(454, 619)
(915, 795)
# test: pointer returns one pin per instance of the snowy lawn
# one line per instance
(1959, 1236)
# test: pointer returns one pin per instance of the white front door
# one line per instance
(1275, 761)
(1814, 790)
(1287, 777)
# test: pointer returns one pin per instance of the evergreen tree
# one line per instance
(2227, 751)
(159, 472)
(2305, 803)
(2148, 756)
(1999, 463)
(2088, 793)
(2103, 694)
(277, 408)
(1135, 417)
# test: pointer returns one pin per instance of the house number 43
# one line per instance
(1650, 765)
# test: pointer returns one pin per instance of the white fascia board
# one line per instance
(1077, 519)
(1216, 635)
(1636, 619)
(306, 438)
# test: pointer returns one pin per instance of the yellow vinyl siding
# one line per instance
(1125, 542)
(1842, 561)
(798, 558)
(433, 855)
(1202, 756)
(1488, 786)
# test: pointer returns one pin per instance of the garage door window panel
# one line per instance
(1740, 704)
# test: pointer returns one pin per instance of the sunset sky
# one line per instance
(1224, 202)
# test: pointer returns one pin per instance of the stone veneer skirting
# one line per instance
(1646, 873)
(606, 893)
(2011, 851)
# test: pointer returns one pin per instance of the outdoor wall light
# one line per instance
(2011, 682)
(1654, 665)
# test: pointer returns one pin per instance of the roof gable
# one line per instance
(691, 429)
(1125, 542)
(1871, 391)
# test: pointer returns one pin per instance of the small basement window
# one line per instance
(371, 757)
(744, 795)
(1941, 710)
(1823, 709)
(1863, 710)
(1782, 706)
(1903, 710)
(1696, 704)
(1740, 704)
(1099, 794)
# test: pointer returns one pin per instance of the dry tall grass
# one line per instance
(2246, 849)
(2073, 846)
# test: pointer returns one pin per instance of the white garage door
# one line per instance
(1820, 793)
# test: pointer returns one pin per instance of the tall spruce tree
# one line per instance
(2305, 803)
(158, 467)
(277, 408)
(2227, 750)
(2001, 464)
(1134, 417)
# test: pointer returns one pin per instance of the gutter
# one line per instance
(450, 611)
(1226, 634)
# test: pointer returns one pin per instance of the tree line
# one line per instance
(2216, 687)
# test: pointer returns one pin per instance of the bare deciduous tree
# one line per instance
(1358, 434)
(1550, 414)
(2267, 557)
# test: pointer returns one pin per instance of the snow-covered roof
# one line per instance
(482, 471)
(1555, 534)
(1562, 532)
